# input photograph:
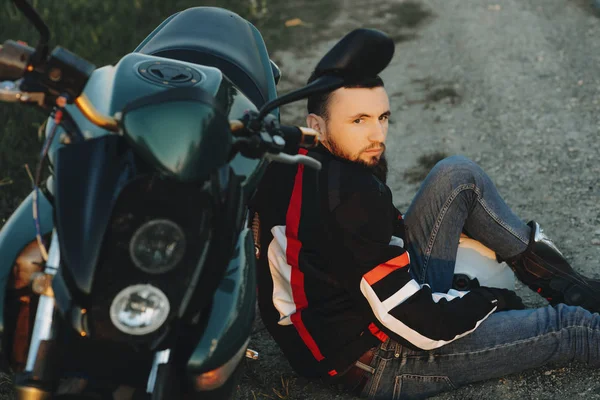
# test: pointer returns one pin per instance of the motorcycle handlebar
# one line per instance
(14, 60)
(10, 92)
(300, 136)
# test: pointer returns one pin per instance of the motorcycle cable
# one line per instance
(58, 116)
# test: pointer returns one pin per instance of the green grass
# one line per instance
(102, 31)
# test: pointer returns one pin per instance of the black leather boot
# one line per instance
(544, 269)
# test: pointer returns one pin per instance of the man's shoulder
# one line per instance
(346, 179)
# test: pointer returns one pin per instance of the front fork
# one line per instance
(42, 328)
(34, 383)
(161, 357)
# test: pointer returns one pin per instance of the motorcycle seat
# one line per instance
(218, 38)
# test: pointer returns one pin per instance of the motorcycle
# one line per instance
(134, 263)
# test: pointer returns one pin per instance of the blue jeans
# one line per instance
(458, 195)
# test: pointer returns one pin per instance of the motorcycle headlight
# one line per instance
(157, 246)
(139, 309)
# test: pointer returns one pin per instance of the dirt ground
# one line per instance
(511, 84)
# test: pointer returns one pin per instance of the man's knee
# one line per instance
(457, 169)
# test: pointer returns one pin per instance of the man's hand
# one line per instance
(504, 299)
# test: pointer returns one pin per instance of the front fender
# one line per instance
(16, 233)
(232, 313)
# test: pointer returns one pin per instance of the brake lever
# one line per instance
(10, 93)
(295, 159)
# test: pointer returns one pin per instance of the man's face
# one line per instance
(357, 124)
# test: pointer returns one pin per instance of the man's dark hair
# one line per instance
(317, 104)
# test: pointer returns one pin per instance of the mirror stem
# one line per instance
(323, 84)
(41, 51)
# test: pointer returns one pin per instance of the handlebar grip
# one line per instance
(291, 134)
(299, 136)
(14, 59)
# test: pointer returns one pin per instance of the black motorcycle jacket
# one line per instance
(333, 273)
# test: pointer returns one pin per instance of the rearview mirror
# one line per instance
(41, 50)
(360, 54)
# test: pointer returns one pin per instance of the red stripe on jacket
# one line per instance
(294, 246)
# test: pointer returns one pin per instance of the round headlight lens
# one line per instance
(157, 246)
(139, 309)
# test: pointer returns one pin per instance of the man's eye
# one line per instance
(357, 121)
(384, 117)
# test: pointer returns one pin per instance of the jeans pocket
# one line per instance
(408, 386)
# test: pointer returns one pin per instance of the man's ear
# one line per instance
(316, 122)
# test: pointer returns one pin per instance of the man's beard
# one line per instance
(380, 170)
(378, 167)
